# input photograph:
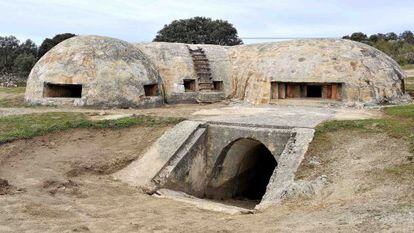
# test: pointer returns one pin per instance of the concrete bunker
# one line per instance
(53, 90)
(242, 171)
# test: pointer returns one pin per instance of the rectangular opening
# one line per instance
(62, 90)
(218, 85)
(314, 91)
(151, 89)
(189, 85)
(283, 90)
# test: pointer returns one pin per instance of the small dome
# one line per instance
(94, 71)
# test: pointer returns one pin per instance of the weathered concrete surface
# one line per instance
(284, 175)
(220, 137)
(142, 171)
(368, 75)
(112, 73)
(196, 173)
(200, 203)
(175, 64)
(272, 117)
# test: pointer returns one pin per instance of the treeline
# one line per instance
(17, 58)
(399, 47)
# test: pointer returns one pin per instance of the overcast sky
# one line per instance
(139, 20)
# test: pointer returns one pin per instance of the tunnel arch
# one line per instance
(241, 171)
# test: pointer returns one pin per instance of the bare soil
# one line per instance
(67, 188)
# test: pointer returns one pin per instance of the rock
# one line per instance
(301, 188)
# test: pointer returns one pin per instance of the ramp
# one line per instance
(159, 160)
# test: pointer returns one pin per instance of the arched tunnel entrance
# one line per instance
(242, 171)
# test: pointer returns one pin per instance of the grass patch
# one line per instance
(409, 84)
(31, 125)
(13, 102)
(408, 67)
(12, 97)
(397, 123)
(12, 90)
(400, 125)
(401, 170)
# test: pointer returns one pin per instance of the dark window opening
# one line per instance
(62, 90)
(314, 91)
(151, 89)
(218, 85)
(189, 85)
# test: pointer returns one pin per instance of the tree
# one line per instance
(199, 30)
(407, 36)
(358, 36)
(391, 36)
(48, 44)
(24, 63)
(9, 46)
(28, 47)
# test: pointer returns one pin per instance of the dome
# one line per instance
(94, 71)
(359, 72)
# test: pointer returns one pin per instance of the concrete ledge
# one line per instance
(142, 171)
(210, 97)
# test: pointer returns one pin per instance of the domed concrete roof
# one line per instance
(112, 73)
(367, 74)
(109, 72)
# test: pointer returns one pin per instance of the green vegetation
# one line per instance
(199, 30)
(12, 90)
(17, 59)
(399, 47)
(409, 84)
(12, 97)
(408, 67)
(398, 123)
(31, 125)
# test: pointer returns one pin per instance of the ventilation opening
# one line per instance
(218, 85)
(62, 90)
(242, 172)
(189, 85)
(151, 90)
(314, 91)
(285, 90)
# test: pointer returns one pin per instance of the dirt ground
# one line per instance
(61, 183)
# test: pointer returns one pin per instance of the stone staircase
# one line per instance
(202, 69)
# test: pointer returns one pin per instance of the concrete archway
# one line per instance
(242, 170)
